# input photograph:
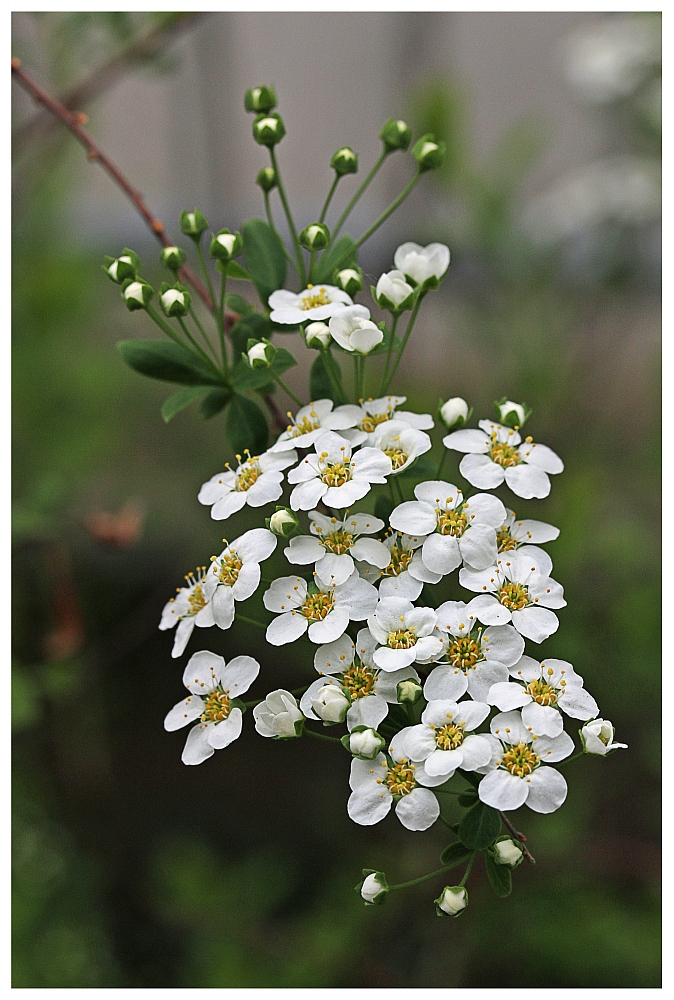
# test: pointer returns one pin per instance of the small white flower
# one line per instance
(366, 743)
(374, 887)
(330, 703)
(334, 476)
(393, 292)
(457, 530)
(278, 715)
(314, 303)
(514, 534)
(507, 852)
(284, 522)
(444, 739)
(405, 574)
(496, 453)
(597, 738)
(170, 296)
(401, 443)
(228, 241)
(453, 900)
(353, 330)
(134, 292)
(324, 611)
(191, 606)
(257, 356)
(542, 691)
(454, 412)
(313, 420)
(424, 266)
(333, 545)
(256, 481)
(516, 590)
(372, 413)
(404, 634)
(235, 572)
(317, 335)
(212, 687)
(518, 773)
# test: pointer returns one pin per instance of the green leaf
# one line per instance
(251, 325)
(455, 853)
(237, 304)
(422, 468)
(320, 386)
(214, 402)
(499, 876)
(234, 270)
(165, 360)
(244, 377)
(383, 506)
(480, 827)
(342, 253)
(246, 426)
(264, 257)
(182, 399)
(467, 799)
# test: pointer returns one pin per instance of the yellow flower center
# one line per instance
(370, 423)
(216, 707)
(503, 454)
(400, 779)
(249, 473)
(514, 596)
(402, 639)
(520, 760)
(400, 560)
(338, 474)
(505, 540)
(196, 600)
(303, 426)
(451, 522)
(319, 298)
(228, 571)
(542, 692)
(338, 542)
(317, 607)
(359, 682)
(397, 456)
(464, 653)
(449, 737)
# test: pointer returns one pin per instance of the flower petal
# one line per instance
(535, 623)
(502, 790)
(478, 546)
(441, 553)
(480, 471)
(239, 674)
(225, 732)
(286, 628)
(418, 810)
(186, 711)
(527, 481)
(369, 804)
(547, 790)
(469, 441)
(197, 748)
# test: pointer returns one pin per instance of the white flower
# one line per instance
(401, 443)
(477, 658)
(278, 715)
(405, 574)
(333, 545)
(510, 407)
(334, 476)
(314, 303)
(235, 572)
(393, 292)
(516, 590)
(454, 411)
(423, 266)
(453, 900)
(190, 607)
(170, 296)
(374, 412)
(514, 534)
(544, 690)
(325, 611)
(375, 783)
(494, 455)
(444, 739)
(366, 743)
(228, 241)
(330, 704)
(255, 481)
(353, 330)
(457, 530)
(374, 887)
(519, 773)
(597, 738)
(349, 668)
(317, 335)
(284, 522)
(135, 292)
(213, 686)
(258, 353)
(313, 420)
(404, 634)
(507, 852)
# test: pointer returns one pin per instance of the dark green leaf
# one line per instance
(423, 468)
(467, 799)
(216, 401)
(499, 876)
(264, 257)
(234, 270)
(244, 377)
(342, 253)
(246, 426)
(237, 304)
(383, 506)
(181, 399)
(320, 386)
(165, 360)
(455, 853)
(251, 325)
(480, 827)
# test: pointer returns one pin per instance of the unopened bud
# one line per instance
(173, 258)
(121, 268)
(395, 134)
(330, 704)
(408, 692)
(193, 224)
(259, 99)
(393, 292)
(597, 738)
(174, 301)
(284, 523)
(315, 236)
(512, 414)
(365, 742)
(225, 245)
(268, 129)
(349, 279)
(452, 901)
(374, 887)
(260, 354)
(507, 852)
(266, 179)
(344, 161)
(428, 153)
(317, 336)
(455, 413)
(137, 294)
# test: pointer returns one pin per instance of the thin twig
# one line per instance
(520, 836)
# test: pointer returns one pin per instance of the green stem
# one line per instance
(197, 347)
(207, 279)
(287, 390)
(355, 376)
(408, 331)
(467, 872)
(312, 258)
(221, 321)
(389, 211)
(248, 621)
(389, 353)
(163, 325)
(450, 826)
(330, 366)
(320, 736)
(349, 208)
(291, 225)
(270, 220)
(424, 878)
(441, 462)
(560, 763)
(329, 198)
(203, 333)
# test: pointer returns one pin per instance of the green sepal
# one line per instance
(454, 854)
(342, 253)
(167, 361)
(499, 876)
(480, 827)
(214, 403)
(181, 400)
(237, 703)
(233, 270)
(264, 257)
(246, 426)
(422, 467)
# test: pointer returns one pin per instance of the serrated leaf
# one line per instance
(455, 853)
(165, 360)
(480, 827)
(500, 877)
(342, 253)
(246, 426)
(234, 270)
(251, 325)
(264, 257)
(182, 399)
(214, 403)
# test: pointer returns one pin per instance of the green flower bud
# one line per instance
(174, 300)
(512, 414)
(344, 161)
(395, 134)
(315, 236)
(317, 335)
(455, 413)
(136, 294)
(260, 353)
(452, 901)
(193, 224)
(349, 279)
(374, 887)
(225, 245)
(266, 179)
(428, 153)
(121, 268)
(408, 692)
(508, 852)
(268, 129)
(363, 742)
(260, 99)
(284, 522)
(173, 258)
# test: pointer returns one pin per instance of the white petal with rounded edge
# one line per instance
(503, 643)
(393, 659)
(286, 628)
(247, 582)
(509, 728)
(183, 713)
(222, 604)
(306, 495)
(340, 497)
(403, 585)
(369, 804)
(418, 810)
(469, 441)
(372, 551)
(285, 593)
(331, 627)
(553, 748)
(542, 719)
(441, 554)
(197, 748)
(483, 676)
(533, 532)
(228, 505)
(368, 711)
(483, 508)
(443, 762)
(366, 772)
(428, 649)
(542, 456)
(476, 752)
(203, 672)
(303, 550)
(579, 704)
(334, 570)
(535, 623)
(225, 732)
(507, 696)
(547, 790)
(255, 545)
(502, 790)
(217, 486)
(481, 471)
(445, 683)
(335, 657)
(181, 638)
(419, 742)
(239, 674)
(528, 481)
(478, 546)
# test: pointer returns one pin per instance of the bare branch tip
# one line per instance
(16, 63)
(158, 226)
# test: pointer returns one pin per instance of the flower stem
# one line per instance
(467, 871)
(270, 220)
(349, 208)
(248, 621)
(441, 462)
(285, 388)
(561, 763)
(424, 878)
(207, 278)
(163, 325)
(518, 836)
(221, 322)
(197, 347)
(389, 211)
(389, 353)
(330, 366)
(329, 198)
(408, 331)
(320, 736)
(291, 225)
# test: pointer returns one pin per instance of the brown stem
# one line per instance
(280, 423)
(520, 836)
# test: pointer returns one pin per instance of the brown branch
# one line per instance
(520, 836)
(143, 50)
(75, 122)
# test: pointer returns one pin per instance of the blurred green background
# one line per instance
(131, 870)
